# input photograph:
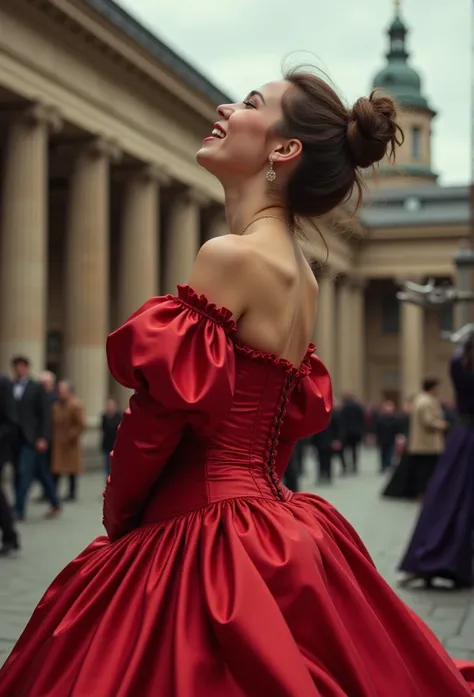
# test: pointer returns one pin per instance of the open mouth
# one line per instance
(218, 132)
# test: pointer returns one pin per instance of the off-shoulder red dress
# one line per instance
(214, 579)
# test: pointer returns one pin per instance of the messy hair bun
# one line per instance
(372, 130)
(337, 143)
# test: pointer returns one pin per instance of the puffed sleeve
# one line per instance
(309, 407)
(176, 353)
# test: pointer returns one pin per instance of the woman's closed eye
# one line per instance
(249, 104)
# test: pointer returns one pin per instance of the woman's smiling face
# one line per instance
(242, 138)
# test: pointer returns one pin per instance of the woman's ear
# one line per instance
(287, 152)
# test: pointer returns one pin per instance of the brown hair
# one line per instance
(337, 142)
(429, 384)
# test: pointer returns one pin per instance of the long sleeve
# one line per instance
(176, 353)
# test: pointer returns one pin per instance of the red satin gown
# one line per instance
(215, 580)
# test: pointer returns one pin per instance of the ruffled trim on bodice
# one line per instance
(266, 357)
(223, 316)
(199, 303)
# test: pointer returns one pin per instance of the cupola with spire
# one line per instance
(401, 81)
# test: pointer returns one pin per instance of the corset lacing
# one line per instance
(270, 467)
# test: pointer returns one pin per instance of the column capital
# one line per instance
(158, 173)
(344, 281)
(47, 114)
(359, 282)
(145, 171)
(215, 222)
(216, 211)
(326, 276)
(215, 207)
(151, 171)
(199, 197)
(94, 146)
(192, 195)
(35, 113)
(103, 146)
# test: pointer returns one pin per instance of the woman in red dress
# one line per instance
(215, 580)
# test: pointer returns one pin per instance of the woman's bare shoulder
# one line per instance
(220, 270)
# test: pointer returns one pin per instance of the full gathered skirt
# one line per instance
(442, 541)
(243, 598)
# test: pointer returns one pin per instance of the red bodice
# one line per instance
(211, 418)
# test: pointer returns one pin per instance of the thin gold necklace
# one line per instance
(261, 217)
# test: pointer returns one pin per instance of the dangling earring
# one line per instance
(271, 175)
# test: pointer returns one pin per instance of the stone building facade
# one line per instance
(103, 205)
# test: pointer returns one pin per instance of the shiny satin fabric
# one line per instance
(215, 580)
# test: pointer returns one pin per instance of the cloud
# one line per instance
(240, 45)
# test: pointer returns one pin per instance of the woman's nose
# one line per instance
(225, 110)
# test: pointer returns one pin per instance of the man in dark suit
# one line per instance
(352, 418)
(386, 424)
(8, 435)
(327, 444)
(34, 420)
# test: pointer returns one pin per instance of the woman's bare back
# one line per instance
(265, 280)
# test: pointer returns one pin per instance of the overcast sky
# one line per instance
(240, 45)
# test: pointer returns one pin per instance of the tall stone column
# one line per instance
(139, 265)
(87, 275)
(24, 236)
(411, 348)
(216, 225)
(182, 238)
(357, 336)
(138, 270)
(345, 340)
(325, 332)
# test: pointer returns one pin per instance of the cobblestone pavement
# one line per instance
(383, 525)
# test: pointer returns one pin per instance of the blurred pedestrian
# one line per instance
(327, 443)
(385, 431)
(48, 381)
(427, 429)
(8, 436)
(337, 435)
(111, 419)
(352, 421)
(442, 543)
(295, 466)
(34, 420)
(402, 484)
(68, 425)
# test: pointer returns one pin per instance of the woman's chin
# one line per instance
(205, 159)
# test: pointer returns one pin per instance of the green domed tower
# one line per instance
(402, 82)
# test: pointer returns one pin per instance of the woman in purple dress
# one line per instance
(442, 543)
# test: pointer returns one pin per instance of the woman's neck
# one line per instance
(246, 203)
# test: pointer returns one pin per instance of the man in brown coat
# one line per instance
(68, 424)
(426, 439)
